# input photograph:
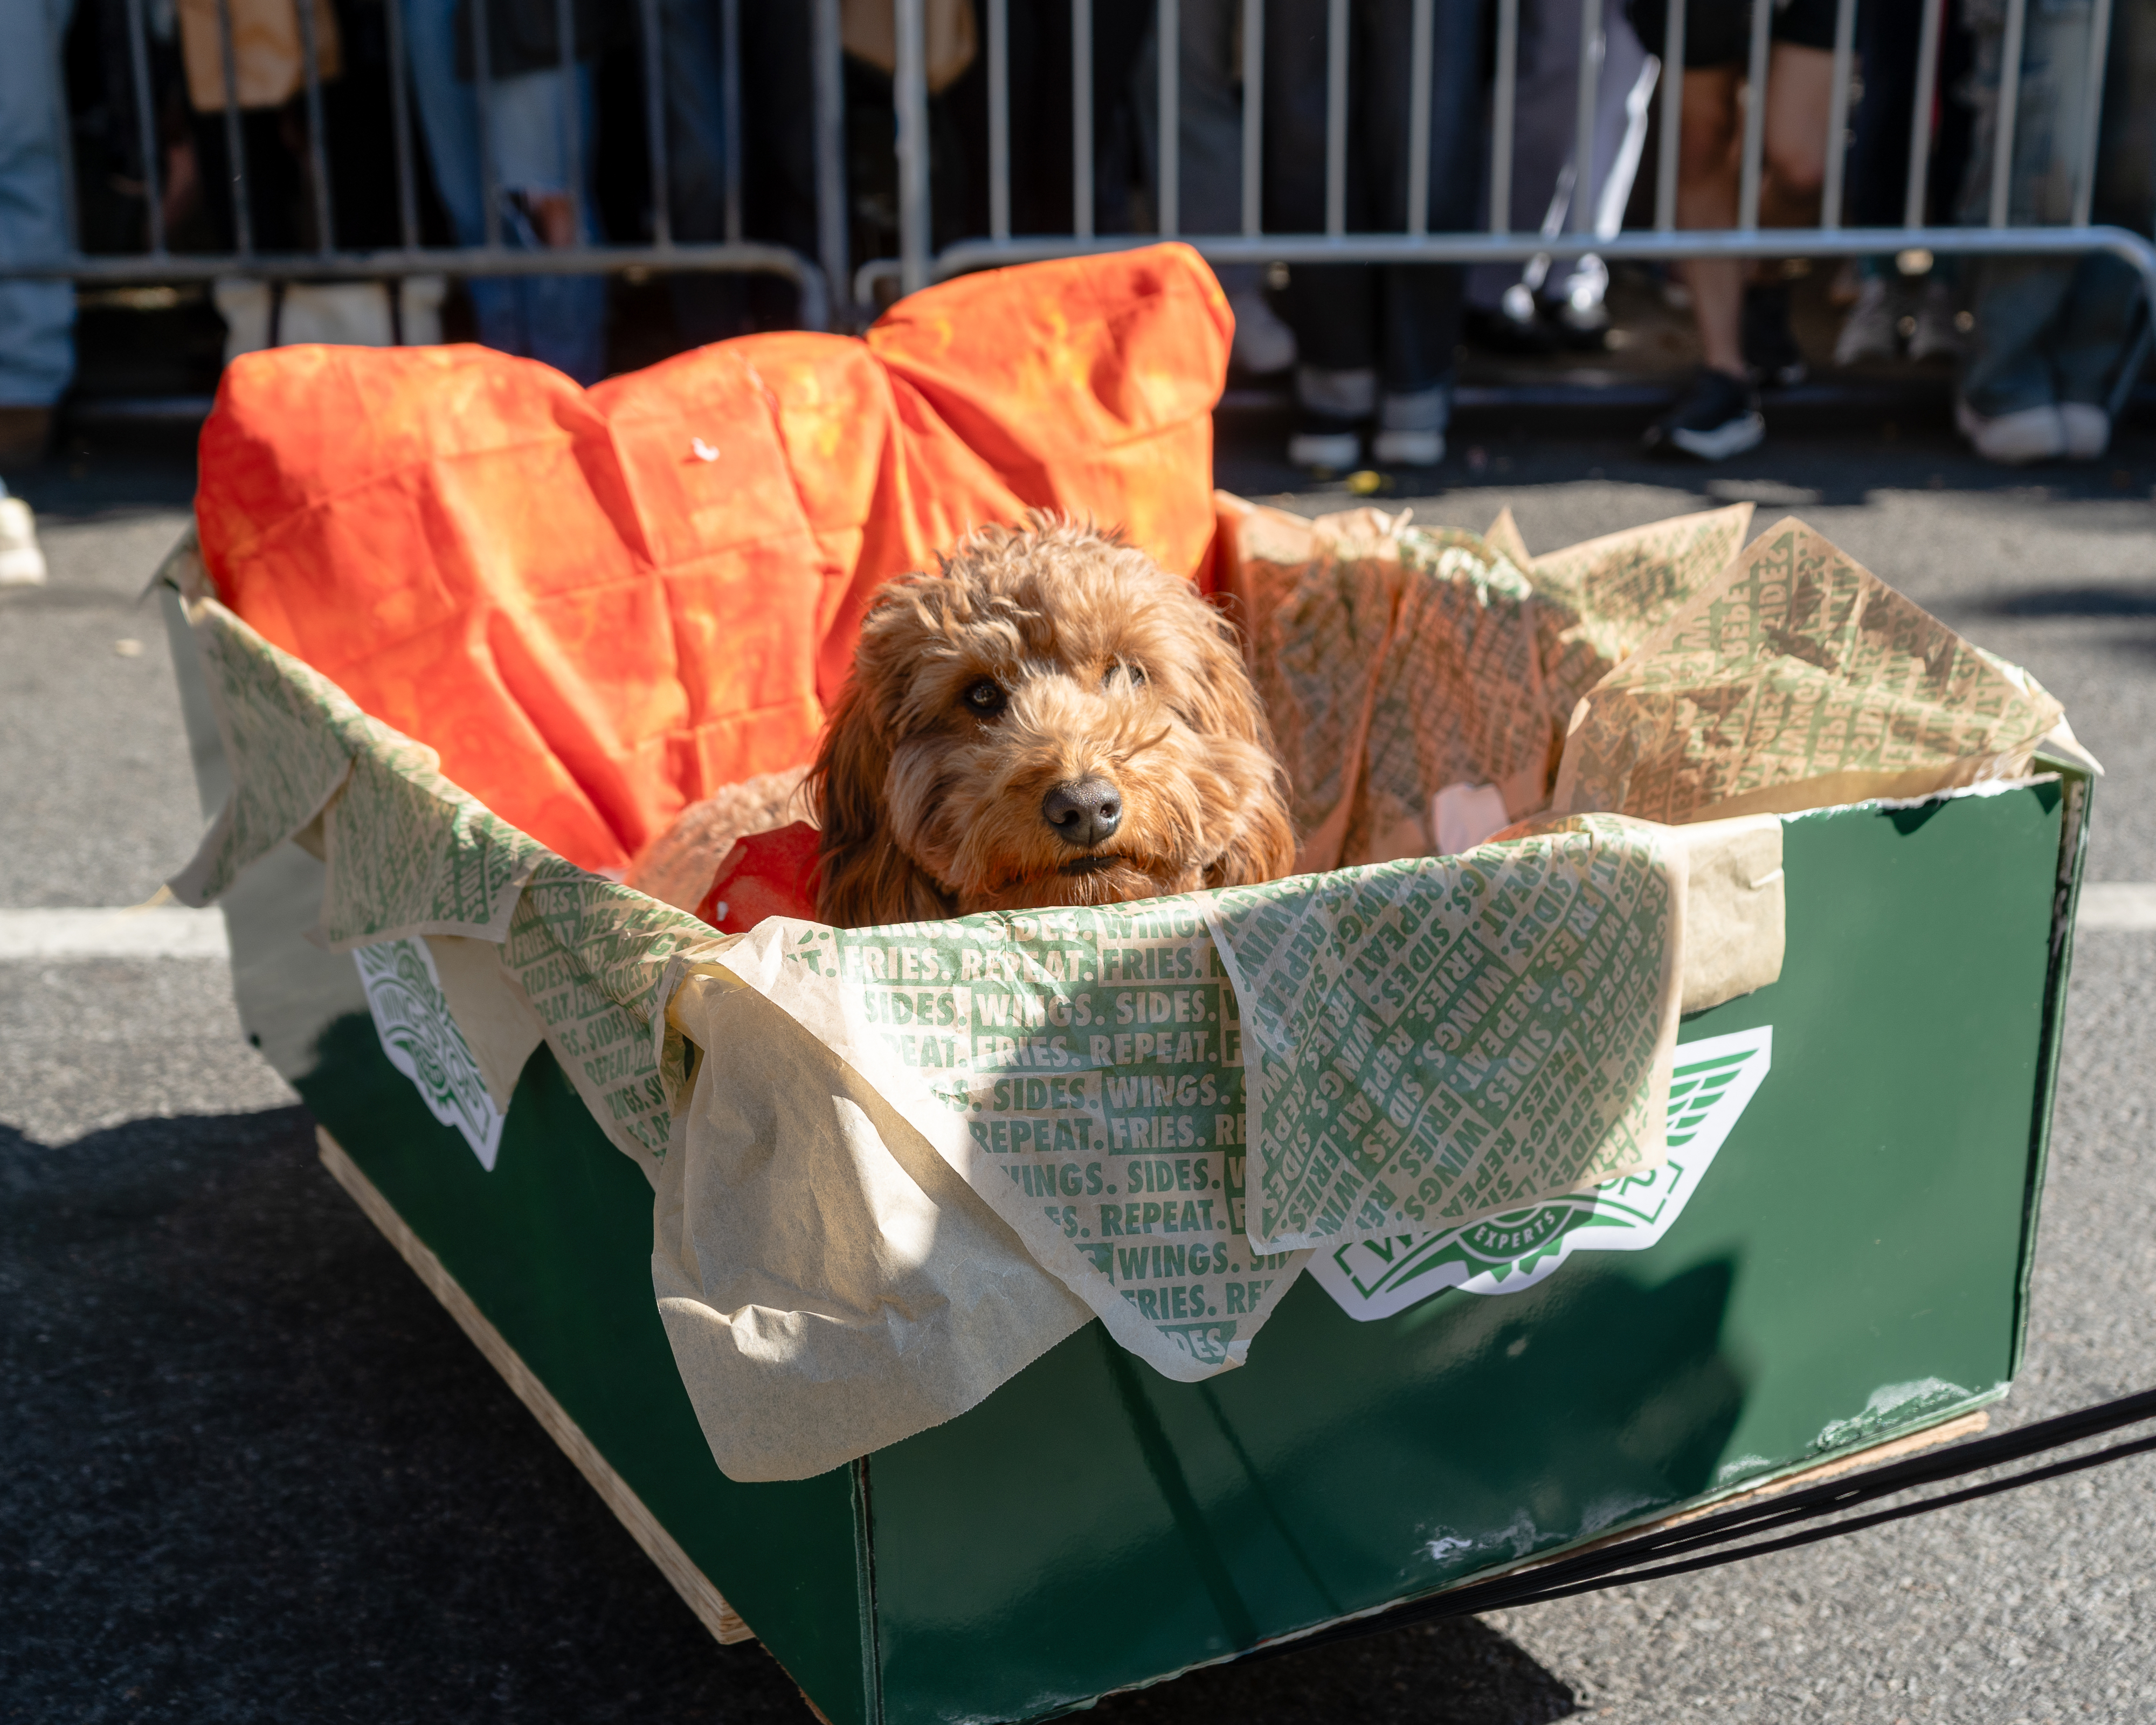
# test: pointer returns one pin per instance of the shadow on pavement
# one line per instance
(251, 1470)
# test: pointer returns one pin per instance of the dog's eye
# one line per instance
(986, 697)
(1134, 675)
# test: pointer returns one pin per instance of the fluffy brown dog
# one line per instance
(1050, 720)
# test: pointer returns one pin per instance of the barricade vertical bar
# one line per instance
(2092, 111)
(1504, 106)
(400, 126)
(1336, 118)
(654, 125)
(1583, 123)
(1837, 114)
(910, 86)
(318, 167)
(1755, 119)
(146, 123)
(1167, 28)
(1081, 118)
(730, 84)
(63, 124)
(1253, 114)
(235, 145)
(490, 170)
(1920, 121)
(1666, 157)
(1000, 165)
(573, 118)
(2008, 114)
(1418, 57)
(830, 77)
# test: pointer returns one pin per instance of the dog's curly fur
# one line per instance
(1038, 658)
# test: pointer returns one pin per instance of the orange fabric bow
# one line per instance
(601, 605)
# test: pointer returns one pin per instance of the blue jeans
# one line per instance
(2048, 330)
(36, 318)
(557, 319)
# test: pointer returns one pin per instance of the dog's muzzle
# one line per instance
(1083, 812)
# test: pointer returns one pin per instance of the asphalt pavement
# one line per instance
(250, 1470)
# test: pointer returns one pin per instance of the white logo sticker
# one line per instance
(420, 1036)
(1711, 1083)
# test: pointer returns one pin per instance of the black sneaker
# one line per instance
(1719, 419)
(1771, 353)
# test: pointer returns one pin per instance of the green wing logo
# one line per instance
(1712, 1082)
(420, 1037)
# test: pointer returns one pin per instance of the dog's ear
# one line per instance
(1263, 848)
(864, 878)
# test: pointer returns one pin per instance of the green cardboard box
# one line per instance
(1837, 1254)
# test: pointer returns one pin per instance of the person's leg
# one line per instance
(1329, 306)
(2095, 333)
(36, 318)
(448, 115)
(1800, 89)
(1420, 305)
(1708, 170)
(564, 315)
(2009, 406)
(1209, 154)
(1720, 415)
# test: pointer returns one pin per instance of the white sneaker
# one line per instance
(2012, 439)
(1868, 332)
(1407, 448)
(1938, 334)
(22, 564)
(1263, 345)
(2087, 430)
(1325, 451)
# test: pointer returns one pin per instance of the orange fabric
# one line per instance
(599, 606)
(772, 874)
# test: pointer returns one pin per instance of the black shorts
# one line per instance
(1718, 32)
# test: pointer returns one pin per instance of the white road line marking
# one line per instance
(168, 932)
(162, 933)
(2123, 905)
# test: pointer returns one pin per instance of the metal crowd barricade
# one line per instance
(918, 264)
(328, 261)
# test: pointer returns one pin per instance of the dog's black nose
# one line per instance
(1083, 813)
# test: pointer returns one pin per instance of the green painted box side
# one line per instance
(554, 1246)
(1850, 1266)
